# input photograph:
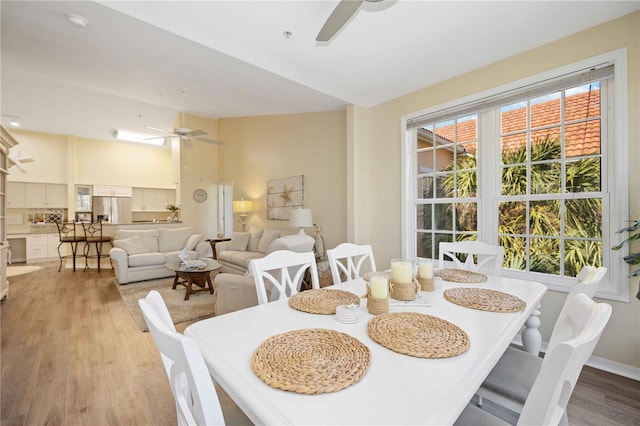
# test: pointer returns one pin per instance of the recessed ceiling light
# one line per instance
(77, 20)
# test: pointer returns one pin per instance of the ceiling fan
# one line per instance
(186, 134)
(342, 14)
(18, 161)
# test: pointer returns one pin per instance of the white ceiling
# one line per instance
(125, 70)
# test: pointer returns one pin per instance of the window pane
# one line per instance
(545, 255)
(545, 178)
(582, 138)
(515, 249)
(582, 102)
(466, 128)
(423, 245)
(467, 217)
(514, 180)
(513, 217)
(425, 162)
(513, 117)
(443, 216)
(545, 110)
(444, 131)
(466, 184)
(423, 216)
(583, 218)
(425, 187)
(583, 175)
(440, 238)
(580, 253)
(426, 137)
(544, 217)
(545, 144)
(446, 185)
(514, 148)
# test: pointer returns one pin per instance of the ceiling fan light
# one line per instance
(124, 135)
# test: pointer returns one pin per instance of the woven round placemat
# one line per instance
(484, 299)
(460, 275)
(419, 335)
(322, 300)
(311, 361)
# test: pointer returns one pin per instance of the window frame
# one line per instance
(615, 164)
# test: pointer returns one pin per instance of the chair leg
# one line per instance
(60, 256)
(99, 253)
(86, 250)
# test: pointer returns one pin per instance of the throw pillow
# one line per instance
(191, 242)
(254, 241)
(173, 239)
(267, 238)
(131, 245)
(239, 241)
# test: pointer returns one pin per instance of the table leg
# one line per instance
(208, 281)
(531, 337)
(175, 281)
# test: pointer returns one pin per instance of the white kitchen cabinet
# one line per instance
(112, 191)
(152, 199)
(44, 247)
(45, 195)
(16, 195)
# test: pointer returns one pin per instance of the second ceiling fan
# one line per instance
(343, 12)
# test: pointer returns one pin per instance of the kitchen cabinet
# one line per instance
(16, 195)
(152, 199)
(112, 191)
(46, 195)
(44, 247)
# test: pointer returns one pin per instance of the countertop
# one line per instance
(51, 228)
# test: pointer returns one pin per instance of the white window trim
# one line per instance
(615, 285)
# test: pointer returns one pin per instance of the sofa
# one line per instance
(139, 255)
(235, 255)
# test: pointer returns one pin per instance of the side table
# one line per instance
(213, 242)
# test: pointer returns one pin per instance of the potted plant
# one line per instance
(632, 258)
(174, 209)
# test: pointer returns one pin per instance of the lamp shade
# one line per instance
(300, 218)
(242, 206)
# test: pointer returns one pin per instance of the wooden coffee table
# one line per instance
(187, 277)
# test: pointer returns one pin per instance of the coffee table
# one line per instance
(187, 277)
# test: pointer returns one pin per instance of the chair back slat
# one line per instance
(472, 256)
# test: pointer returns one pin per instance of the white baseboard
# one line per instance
(603, 364)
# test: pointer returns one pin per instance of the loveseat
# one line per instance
(139, 255)
(235, 255)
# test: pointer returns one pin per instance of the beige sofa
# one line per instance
(235, 255)
(139, 255)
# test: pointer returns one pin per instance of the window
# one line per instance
(529, 168)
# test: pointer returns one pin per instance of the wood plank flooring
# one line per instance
(71, 354)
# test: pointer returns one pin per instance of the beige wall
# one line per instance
(381, 186)
(272, 147)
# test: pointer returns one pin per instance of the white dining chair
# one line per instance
(193, 390)
(546, 403)
(473, 256)
(511, 380)
(283, 271)
(348, 260)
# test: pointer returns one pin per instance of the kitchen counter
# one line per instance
(108, 228)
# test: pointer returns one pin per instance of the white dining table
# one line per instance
(397, 389)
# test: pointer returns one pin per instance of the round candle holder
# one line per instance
(427, 284)
(377, 306)
(404, 291)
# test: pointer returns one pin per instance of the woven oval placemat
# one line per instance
(460, 275)
(419, 335)
(311, 361)
(484, 299)
(322, 300)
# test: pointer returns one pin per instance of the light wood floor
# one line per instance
(71, 354)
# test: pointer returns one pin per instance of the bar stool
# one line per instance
(67, 233)
(93, 234)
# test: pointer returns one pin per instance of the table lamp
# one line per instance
(300, 218)
(243, 207)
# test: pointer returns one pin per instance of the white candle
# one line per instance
(379, 287)
(401, 272)
(425, 270)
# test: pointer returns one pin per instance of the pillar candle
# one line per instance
(401, 272)
(379, 287)
(425, 270)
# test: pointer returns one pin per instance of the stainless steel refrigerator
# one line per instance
(112, 209)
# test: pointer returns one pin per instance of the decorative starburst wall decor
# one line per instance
(284, 195)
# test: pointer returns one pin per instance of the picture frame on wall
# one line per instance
(283, 195)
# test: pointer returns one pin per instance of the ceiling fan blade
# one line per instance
(187, 143)
(158, 137)
(211, 141)
(338, 18)
(16, 163)
(198, 132)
